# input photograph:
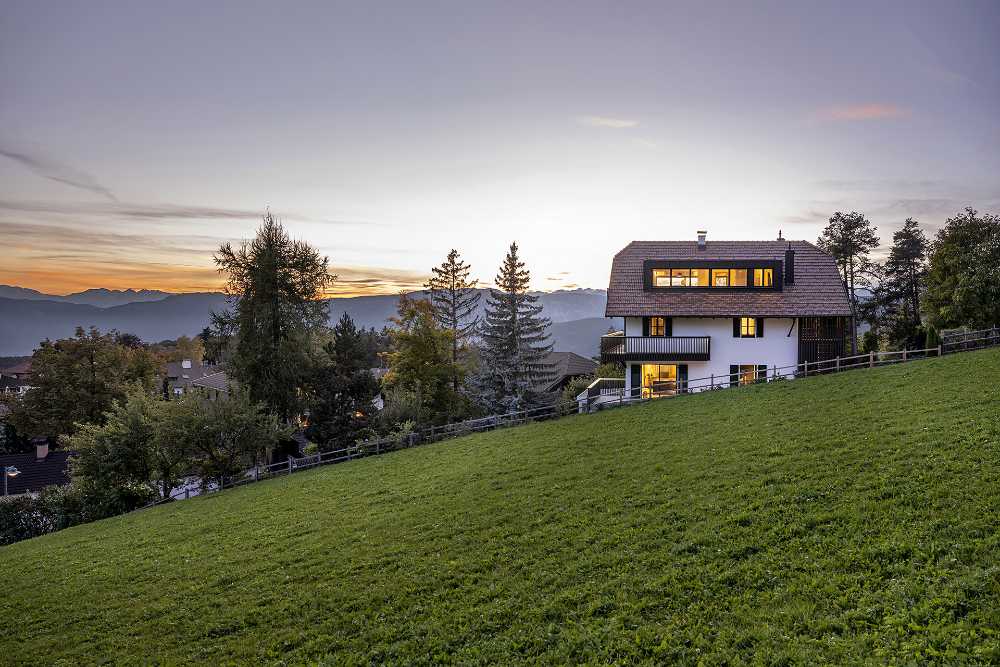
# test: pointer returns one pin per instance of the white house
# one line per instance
(727, 311)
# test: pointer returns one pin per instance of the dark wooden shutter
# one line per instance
(636, 379)
(668, 326)
(760, 327)
(645, 326)
(734, 375)
(682, 378)
(736, 327)
(761, 372)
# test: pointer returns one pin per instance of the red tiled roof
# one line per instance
(817, 290)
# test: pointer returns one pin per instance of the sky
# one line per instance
(136, 137)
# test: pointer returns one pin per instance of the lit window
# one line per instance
(748, 327)
(737, 277)
(657, 326)
(680, 277)
(744, 374)
(661, 278)
(763, 277)
(720, 277)
(699, 278)
(658, 380)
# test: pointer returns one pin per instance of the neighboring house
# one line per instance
(36, 470)
(14, 380)
(215, 386)
(728, 310)
(181, 375)
(10, 385)
(21, 371)
(566, 366)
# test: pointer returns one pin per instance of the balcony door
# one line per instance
(659, 380)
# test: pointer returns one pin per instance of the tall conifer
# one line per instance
(455, 300)
(514, 340)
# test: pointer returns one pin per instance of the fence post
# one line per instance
(711, 381)
(187, 491)
(871, 359)
(289, 464)
(939, 350)
(805, 372)
(838, 364)
(904, 354)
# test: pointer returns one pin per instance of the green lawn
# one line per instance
(849, 518)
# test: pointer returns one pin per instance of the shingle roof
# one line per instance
(567, 365)
(36, 475)
(21, 368)
(817, 289)
(217, 381)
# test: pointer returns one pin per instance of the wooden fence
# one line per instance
(973, 340)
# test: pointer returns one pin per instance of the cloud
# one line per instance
(369, 280)
(60, 173)
(605, 121)
(862, 112)
(808, 217)
(154, 212)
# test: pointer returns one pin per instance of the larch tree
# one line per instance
(850, 238)
(514, 340)
(275, 287)
(455, 300)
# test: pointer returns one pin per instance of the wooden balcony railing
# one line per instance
(655, 348)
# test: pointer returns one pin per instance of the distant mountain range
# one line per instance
(28, 316)
(100, 297)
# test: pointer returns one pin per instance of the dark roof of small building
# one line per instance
(568, 365)
(817, 290)
(217, 381)
(21, 368)
(35, 475)
(175, 370)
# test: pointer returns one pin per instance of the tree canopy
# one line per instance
(963, 277)
(276, 287)
(76, 380)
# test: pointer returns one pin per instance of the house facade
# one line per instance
(722, 312)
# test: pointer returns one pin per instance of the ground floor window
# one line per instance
(659, 380)
(743, 374)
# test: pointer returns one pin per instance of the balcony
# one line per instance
(655, 348)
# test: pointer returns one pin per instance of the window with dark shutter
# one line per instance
(747, 327)
(734, 375)
(682, 378)
(760, 327)
(636, 379)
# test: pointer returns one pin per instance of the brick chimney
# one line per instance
(702, 235)
(41, 448)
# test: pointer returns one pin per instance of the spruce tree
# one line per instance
(514, 341)
(455, 300)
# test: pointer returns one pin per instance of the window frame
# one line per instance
(659, 275)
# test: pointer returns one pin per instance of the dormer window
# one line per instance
(712, 274)
(763, 277)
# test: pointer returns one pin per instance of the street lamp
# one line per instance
(9, 471)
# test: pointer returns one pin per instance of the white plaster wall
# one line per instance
(777, 347)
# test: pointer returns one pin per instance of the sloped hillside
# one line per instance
(848, 519)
